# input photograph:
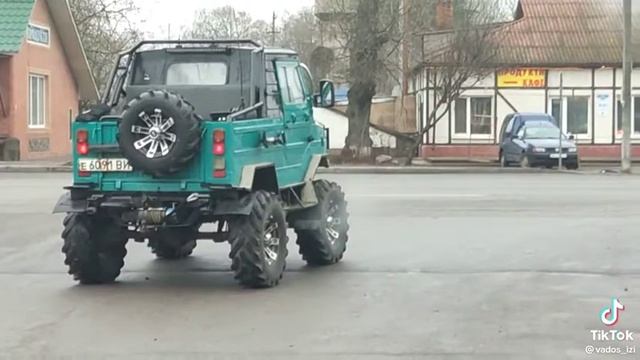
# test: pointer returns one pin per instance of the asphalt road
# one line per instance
(494, 266)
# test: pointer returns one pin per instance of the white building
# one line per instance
(582, 40)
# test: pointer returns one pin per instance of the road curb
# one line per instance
(35, 169)
(339, 170)
(429, 170)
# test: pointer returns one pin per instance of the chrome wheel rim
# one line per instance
(154, 136)
(334, 222)
(271, 241)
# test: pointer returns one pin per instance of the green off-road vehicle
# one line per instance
(203, 132)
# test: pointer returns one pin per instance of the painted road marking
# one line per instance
(417, 195)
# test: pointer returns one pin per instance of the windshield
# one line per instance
(542, 133)
(541, 130)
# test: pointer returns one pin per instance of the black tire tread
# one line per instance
(246, 236)
(91, 254)
(164, 245)
(193, 134)
(313, 245)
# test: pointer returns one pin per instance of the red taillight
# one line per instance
(82, 136)
(218, 142)
(83, 148)
(219, 165)
(218, 136)
(218, 149)
(82, 142)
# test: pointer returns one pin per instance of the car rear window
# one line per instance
(197, 73)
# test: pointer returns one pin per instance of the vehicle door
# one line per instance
(296, 108)
(510, 150)
(501, 136)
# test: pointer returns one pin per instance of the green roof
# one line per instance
(14, 18)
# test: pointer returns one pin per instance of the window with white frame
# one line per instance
(37, 100)
(38, 35)
(635, 114)
(473, 115)
(572, 112)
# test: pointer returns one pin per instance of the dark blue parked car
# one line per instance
(532, 139)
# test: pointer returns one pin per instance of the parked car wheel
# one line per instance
(503, 161)
(574, 166)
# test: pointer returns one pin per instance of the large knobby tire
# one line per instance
(94, 248)
(256, 239)
(159, 132)
(327, 243)
(174, 243)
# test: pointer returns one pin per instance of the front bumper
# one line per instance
(546, 159)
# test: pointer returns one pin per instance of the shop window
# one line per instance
(37, 100)
(635, 114)
(575, 113)
(473, 115)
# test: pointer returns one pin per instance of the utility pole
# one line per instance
(404, 19)
(273, 31)
(560, 115)
(625, 166)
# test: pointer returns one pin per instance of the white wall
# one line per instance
(338, 126)
(570, 77)
(576, 82)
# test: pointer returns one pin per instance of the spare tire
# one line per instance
(159, 132)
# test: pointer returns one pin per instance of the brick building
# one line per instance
(44, 75)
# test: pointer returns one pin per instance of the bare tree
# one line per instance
(371, 38)
(105, 31)
(298, 32)
(367, 29)
(461, 56)
(227, 23)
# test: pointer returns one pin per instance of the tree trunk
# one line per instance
(358, 142)
(363, 66)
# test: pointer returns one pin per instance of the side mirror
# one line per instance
(327, 96)
(571, 137)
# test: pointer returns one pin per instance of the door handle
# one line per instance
(269, 140)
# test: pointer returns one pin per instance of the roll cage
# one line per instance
(121, 72)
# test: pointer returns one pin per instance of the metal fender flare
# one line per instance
(66, 204)
(259, 177)
(315, 162)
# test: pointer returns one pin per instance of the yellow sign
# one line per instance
(522, 78)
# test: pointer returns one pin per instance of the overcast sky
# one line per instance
(156, 15)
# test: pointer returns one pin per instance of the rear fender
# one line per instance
(259, 177)
(66, 204)
(315, 162)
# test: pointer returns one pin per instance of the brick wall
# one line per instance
(62, 96)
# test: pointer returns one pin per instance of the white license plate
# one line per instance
(105, 165)
(555, 156)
